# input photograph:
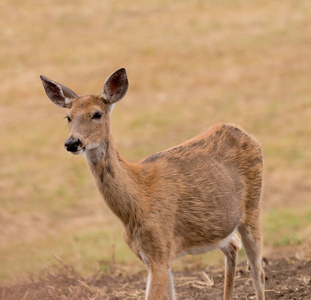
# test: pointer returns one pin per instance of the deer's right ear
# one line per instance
(57, 93)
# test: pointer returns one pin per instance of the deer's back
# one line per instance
(222, 148)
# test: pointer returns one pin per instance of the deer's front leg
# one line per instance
(158, 287)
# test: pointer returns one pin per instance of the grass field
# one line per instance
(190, 64)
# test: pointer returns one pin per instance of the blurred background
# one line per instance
(190, 64)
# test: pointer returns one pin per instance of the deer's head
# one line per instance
(88, 116)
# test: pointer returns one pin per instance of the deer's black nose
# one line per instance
(72, 144)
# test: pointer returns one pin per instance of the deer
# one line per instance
(189, 199)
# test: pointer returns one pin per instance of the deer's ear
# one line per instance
(57, 93)
(115, 86)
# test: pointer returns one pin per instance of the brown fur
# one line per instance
(189, 198)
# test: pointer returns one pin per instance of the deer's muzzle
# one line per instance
(73, 144)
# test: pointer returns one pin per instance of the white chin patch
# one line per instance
(92, 146)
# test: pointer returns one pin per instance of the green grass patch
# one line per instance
(88, 251)
(286, 227)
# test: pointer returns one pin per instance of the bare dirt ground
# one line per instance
(286, 278)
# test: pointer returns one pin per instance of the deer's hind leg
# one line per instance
(252, 242)
(250, 226)
(231, 254)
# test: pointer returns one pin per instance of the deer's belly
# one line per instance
(200, 249)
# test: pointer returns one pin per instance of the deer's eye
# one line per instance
(97, 115)
(68, 119)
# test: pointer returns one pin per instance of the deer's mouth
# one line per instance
(79, 148)
(76, 152)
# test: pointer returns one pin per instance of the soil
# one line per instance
(286, 278)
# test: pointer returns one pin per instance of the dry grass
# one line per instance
(190, 64)
(63, 282)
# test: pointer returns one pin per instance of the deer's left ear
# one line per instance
(57, 93)
(115, 87)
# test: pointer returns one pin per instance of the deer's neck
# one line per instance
(114, 178)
